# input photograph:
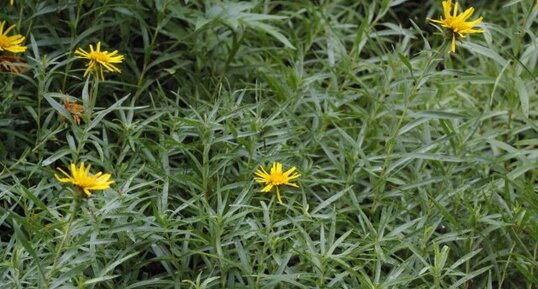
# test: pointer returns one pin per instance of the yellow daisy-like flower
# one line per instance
(457, 23)
(81, 178)
(10, 43)
(11, 2)
(100, 60)
(276, 178)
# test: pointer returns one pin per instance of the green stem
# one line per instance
(74, 29)
(148, 50)
(74, 208)
(380, 184)
(93, 94)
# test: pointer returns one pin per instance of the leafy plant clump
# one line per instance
(268, 144)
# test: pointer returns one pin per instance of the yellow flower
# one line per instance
(457, 23)
(81, 178)
(276, 178)
(100, 60)
(10, 43)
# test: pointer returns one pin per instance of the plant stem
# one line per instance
(380, 184)
(74, 208)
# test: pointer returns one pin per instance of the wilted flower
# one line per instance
(13, 64)
(75, 109)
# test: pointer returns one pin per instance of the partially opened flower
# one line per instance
(83, 180)
(276, 178)
(11, 2)
(457, 23)
(100, 60)
(10, 43)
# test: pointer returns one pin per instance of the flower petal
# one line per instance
(267, 188)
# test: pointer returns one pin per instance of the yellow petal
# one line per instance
(63, 180)
(435, 21)
(446, 8)
(475, 22)
(279, 168)
(288, 172)
(9, 29)
(455, 10)
(261, 180)
(292, 185)
(278, 198)
(63, 172)
(267, 188)
(87, 192)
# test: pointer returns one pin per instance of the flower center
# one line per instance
(85, 182)
(98, 56)
(457, 25)
(278, 179)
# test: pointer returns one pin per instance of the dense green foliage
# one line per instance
(418, 166)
